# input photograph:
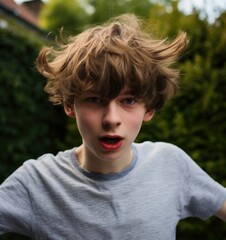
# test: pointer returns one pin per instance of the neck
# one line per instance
(103, 166)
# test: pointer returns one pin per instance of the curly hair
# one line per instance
(109, 58)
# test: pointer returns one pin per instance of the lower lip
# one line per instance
(111, 147)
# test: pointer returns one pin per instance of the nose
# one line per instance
(111, 116)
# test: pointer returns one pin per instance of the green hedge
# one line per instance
(29, 125)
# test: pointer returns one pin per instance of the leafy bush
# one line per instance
(29, 125)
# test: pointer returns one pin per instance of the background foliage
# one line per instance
(194, 120)
(68, 14)
(28, 122)
(97, 11)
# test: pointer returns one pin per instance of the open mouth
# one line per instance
(111, 142)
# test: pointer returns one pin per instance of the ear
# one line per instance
(69, 111)
(148, 115)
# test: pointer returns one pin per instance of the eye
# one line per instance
(129, 101)
(94, 100)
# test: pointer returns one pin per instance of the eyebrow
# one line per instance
(127, 92)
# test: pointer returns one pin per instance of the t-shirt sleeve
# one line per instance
(201, 195)
(15, 206)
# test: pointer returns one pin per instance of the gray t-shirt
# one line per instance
(53, 198)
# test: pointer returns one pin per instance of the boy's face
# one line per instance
(108, 128)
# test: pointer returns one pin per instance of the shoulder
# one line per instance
(158, 148)
(43, 165)
(164, 155)
(50, 159)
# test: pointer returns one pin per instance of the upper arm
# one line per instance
(222, 212)
(15, 207)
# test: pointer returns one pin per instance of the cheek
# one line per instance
(138, 119)
(135, 123)
(86, 121)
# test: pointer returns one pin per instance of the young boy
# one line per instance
(110, 79)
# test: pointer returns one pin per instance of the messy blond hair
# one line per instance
(109, 58)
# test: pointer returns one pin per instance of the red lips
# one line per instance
(111, 142)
